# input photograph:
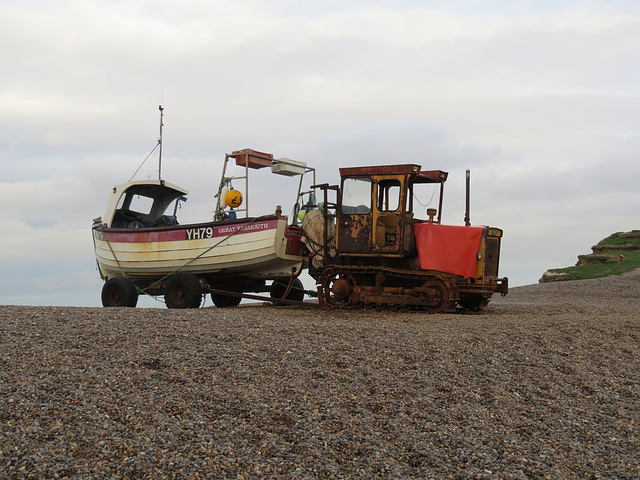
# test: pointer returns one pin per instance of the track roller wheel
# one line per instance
(438, 299)
(336, 290)
(183, 290)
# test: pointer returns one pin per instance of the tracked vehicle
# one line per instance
(374, 251)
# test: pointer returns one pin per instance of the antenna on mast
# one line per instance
(160, 143)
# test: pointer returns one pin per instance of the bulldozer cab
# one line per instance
(375, 211)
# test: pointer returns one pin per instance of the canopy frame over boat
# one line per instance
(252, 159)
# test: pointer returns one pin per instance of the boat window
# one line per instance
(141, 204)
(174, 206)
(121, 201)
(388, 195)
(356, 196)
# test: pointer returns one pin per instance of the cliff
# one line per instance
(618, 253)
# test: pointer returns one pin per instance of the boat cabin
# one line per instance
(144, 204)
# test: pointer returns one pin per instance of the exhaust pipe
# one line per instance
(467, 220)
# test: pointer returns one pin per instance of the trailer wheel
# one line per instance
(119, 292)
(183, 290)
(224, 301)
(278, 289)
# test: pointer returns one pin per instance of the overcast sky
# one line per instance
(539, 99)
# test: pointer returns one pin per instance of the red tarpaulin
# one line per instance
(448, 249)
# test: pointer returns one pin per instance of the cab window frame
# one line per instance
(356, 196)
(389, 195)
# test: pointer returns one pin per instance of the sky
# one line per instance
(540, 100)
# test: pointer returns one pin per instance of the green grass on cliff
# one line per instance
(607, 254)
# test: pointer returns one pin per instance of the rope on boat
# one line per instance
(157, 282)
(104, 237)
(159, 144)
(315, 244)
(93, 237)
(289, 286)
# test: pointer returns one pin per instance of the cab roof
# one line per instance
(419, 176)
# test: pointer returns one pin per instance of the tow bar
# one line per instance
(280, 301)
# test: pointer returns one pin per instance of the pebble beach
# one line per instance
(543, 384)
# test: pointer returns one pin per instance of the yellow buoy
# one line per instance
(233, 198)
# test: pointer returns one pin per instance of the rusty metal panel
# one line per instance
(252, 158)
(492, 255)
(432, 176)
(419, 176)
(353, 233)
(379, 170)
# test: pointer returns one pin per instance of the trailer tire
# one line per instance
(278, 289)
(224, 301)
(119, 292)
(183, 290)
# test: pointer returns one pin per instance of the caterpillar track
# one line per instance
(381, 288)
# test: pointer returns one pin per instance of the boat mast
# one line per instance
(160, 143)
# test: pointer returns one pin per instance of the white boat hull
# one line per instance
(249, 248)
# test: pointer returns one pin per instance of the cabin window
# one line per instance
(174, 206)
(141, 204)
(388, 195)
(356, 196)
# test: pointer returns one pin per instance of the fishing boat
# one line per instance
(141, 248)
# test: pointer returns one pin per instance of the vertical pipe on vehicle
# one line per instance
(467, 220)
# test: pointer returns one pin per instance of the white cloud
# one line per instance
(538, 99)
